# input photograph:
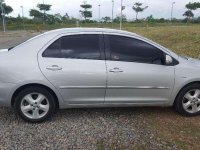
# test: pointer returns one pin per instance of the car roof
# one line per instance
(105, 30)
(53, 33)
(49, 34)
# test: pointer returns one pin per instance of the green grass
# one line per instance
(20, 26)
(181, 38)
(175, 129)
(100, 145)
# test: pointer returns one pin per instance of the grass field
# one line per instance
(183, 40)
(167, 125)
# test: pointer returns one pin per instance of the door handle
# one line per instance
(116, 70)
(54, 68)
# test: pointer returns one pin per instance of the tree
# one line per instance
(65, 18)
(137, 8)
(7, 9)
(58, 16)
(86, 13)
(192, 6)
(188, 14)
(150, 18)
(106, 19)
(51, 19)
(44, 8)
(118, 18)
(35, 13)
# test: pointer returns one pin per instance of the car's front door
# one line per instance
(75, 65)
(136, 72)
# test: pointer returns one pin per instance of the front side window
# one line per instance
(86, 46)
(134, 50)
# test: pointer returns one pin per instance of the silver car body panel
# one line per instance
(90, 75)
(88, 83)
(146, 80)
(151, 82)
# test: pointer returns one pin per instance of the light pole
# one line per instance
(112, 11)
(22, 15)
(172, 11)
(3, 16)
(43, 14)
(99, 13)
(121, 16)
(22, 11)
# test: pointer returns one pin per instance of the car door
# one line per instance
(136, 71)
(75, 65)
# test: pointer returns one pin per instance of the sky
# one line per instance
(157, 8)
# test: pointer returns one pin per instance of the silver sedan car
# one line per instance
(73, 68)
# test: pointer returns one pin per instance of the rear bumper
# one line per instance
(5, 93)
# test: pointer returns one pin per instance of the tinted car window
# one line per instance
(133, 50)
(81, 47)
(75, 46)
(53, 50)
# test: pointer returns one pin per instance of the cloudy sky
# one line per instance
(158, 8)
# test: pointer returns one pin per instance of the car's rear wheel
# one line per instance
(188, 101)
(35, 104)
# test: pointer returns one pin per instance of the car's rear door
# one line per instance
(136, 71)
(75, 65)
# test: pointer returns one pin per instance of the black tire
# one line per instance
(43, 91)
(178, 104)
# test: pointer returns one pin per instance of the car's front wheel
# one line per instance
(35, 104)
(188, 101)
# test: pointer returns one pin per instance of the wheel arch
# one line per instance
(188, 84)
(18, 90)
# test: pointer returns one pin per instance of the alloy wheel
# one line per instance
(191, 101)
(35, 105)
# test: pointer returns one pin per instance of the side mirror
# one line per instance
(168, 60)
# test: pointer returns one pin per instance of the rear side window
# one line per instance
(53, 50)
(134, 50)
(75, 47)
(81, 47)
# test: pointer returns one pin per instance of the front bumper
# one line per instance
(6, 93)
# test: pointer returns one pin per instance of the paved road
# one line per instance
(12, 38)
